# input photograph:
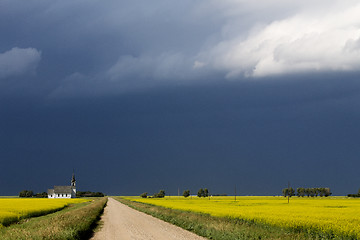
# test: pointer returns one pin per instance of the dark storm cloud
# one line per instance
(138, 95)
(95, 39)
(167, 41)
(258, 135)
(248, 134)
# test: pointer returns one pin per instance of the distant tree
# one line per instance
(41, 195)
(300, 192)
(144, 195)
(26, 193)
(309, 193)
(89, 194)
(317, 191)
(160, 194)
(285, 192)
(354, 195)
(22, 193)
(288, 192)
(292, 192)
(321, 192)
(327, 192)
(312, 192)
(206, 192)
(99, 194)
(186, 193)
(200, 192)
(83, 194)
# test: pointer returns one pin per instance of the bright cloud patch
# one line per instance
(19, 61)
(323, 39)
(164, 66)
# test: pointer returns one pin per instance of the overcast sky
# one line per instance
(139, 96)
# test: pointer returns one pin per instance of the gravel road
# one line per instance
(123, 222)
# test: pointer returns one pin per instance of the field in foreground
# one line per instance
(15, 209)
(327, 218)
(75, 221)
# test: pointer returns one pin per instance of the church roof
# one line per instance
(62, 189)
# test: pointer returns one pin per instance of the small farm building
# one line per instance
(64, 191)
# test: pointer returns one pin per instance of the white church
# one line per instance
(64, 191)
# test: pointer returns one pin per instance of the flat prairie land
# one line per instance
(314, 217)
(76, 219)
(15, 209)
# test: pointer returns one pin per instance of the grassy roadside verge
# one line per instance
(5, 222)
(74, 222)
(215, 227)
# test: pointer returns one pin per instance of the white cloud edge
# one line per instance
(19, 61)
(309, 41)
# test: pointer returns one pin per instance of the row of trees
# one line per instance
(203, 192)
(160, 194)
(89, 194)
(309, 192)
(355, 195)
(30, 193)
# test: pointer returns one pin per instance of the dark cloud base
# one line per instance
(138, 96)
(256, 134)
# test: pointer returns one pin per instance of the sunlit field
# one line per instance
(14, 209)
(335, 216)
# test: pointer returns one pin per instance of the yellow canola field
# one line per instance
(14, 209)
(333, 215)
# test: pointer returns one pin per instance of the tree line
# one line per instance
(30, 193)
(160, 194)
(309, 192)
(201, 193)
(355, 195)
(89, 194)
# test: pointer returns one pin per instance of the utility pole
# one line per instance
(235, 192)
(288, 192)
(179, 192)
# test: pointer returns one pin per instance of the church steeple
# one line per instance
(73, 181)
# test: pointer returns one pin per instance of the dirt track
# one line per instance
(123, 222)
